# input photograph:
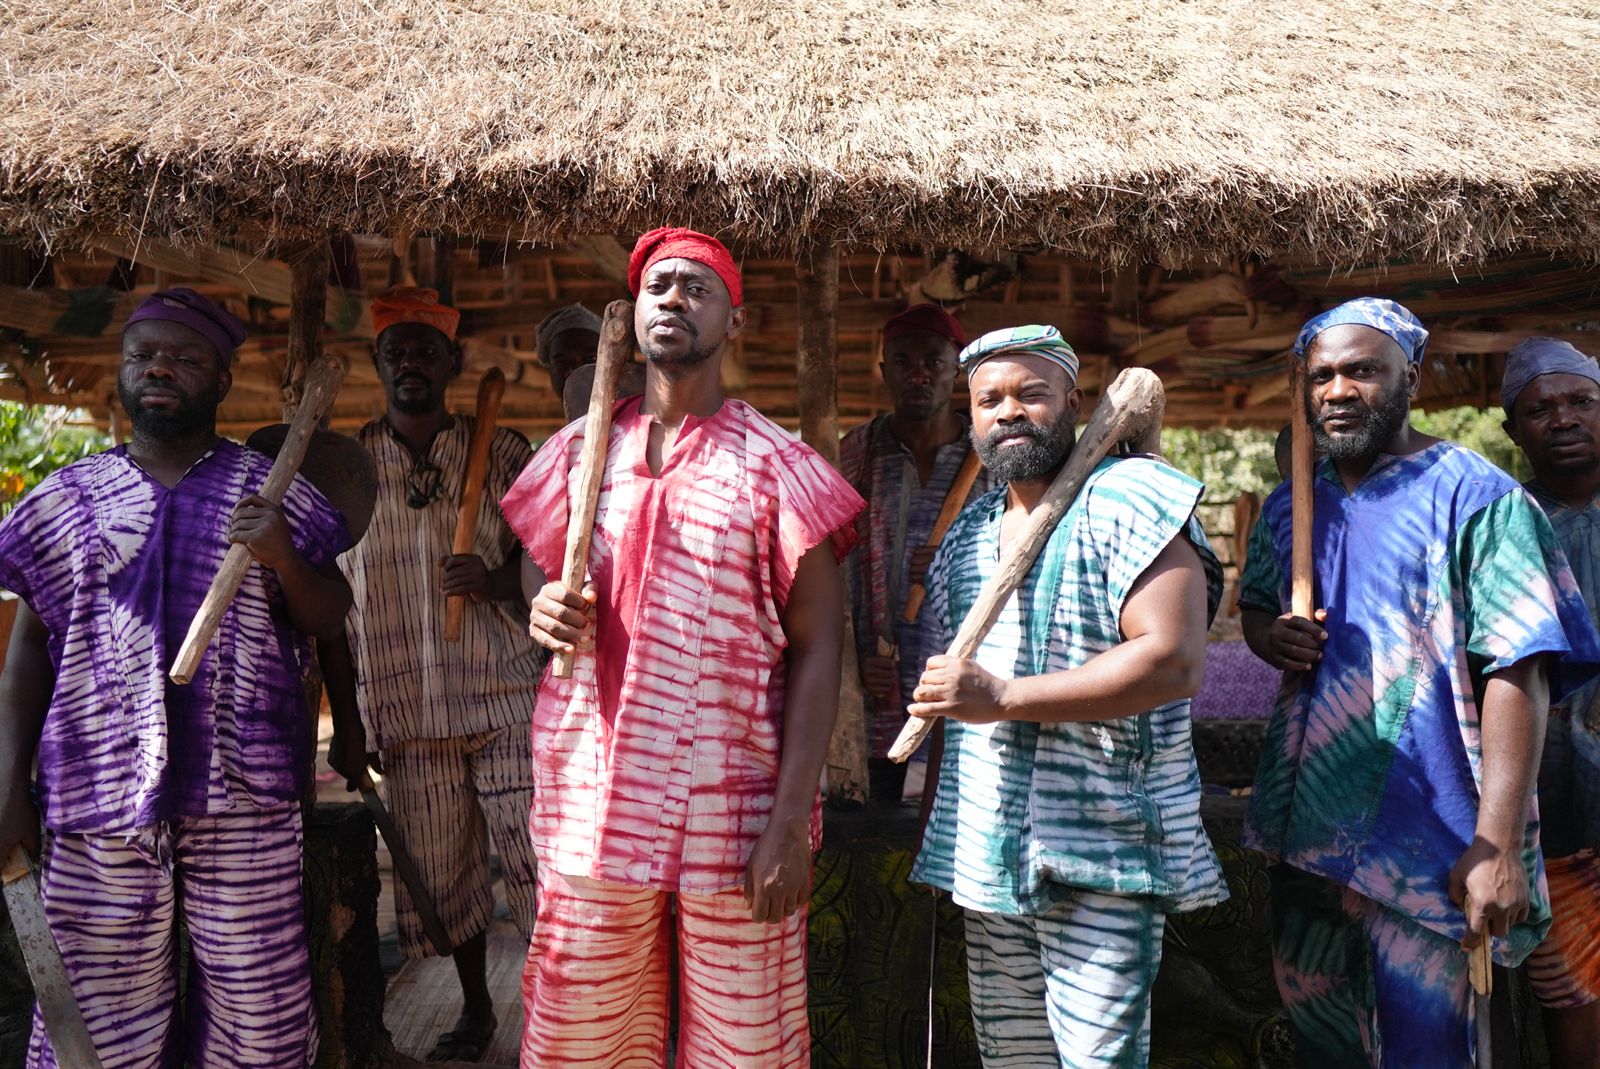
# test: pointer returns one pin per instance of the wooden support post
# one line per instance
(444, 268)
(817, 378)
(817, 355)
(308, 298)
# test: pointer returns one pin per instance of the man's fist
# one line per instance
(559, 619)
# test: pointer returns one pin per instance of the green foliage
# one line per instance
(1478, 430)
(1232, 461)
(36, 440)
(1228, 461)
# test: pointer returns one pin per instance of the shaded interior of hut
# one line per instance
(1216, 334)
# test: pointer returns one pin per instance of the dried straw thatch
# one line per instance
(1165, 130)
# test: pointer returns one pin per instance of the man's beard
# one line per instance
(672, 363)
(1044, 451)
(193, 415)
(1381, 423)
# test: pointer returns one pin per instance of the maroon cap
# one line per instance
(928, 318)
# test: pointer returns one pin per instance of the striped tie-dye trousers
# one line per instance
(1363, 985)
(595, 987)
(235, 880)
(450, 798)
(1070, 986)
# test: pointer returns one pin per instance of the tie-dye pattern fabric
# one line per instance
(655, 763)
(878, 465)
(1089, 964)
(1363, 985)
(1379, 313)
(596, 985)
(116, 565)
(450, 798)
(235, 879)
(414, 684)
(1024, 812)
(1437, 571)
(1564, 970)
(1569, 772)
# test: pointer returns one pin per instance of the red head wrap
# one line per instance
(676, 242)
(930, 318)
(414, 304)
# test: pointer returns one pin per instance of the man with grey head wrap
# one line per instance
(568, 338)
(1551, 395)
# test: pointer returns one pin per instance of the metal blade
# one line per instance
(69, 1035)
(406, 869)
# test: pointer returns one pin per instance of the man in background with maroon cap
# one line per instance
(904, 463)
(678, 765)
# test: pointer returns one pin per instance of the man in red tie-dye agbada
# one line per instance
(681, 759)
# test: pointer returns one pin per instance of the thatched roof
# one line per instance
(1164, 130)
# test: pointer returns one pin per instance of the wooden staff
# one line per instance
(1300, 474)
(491, 388)
(1480, 976)
(616, 349)
(948, 512)
(321, 386)
(1131, 406)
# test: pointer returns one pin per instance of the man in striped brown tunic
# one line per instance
(450, 720)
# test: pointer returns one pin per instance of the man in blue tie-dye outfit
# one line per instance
(1066, 821)
(1396, 783)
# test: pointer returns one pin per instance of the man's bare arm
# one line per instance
(1161, 659)
(26, 686)
(778, 878)
(1516, 701)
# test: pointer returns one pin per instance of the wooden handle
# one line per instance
(1301, 515)
(18, 865)
(491, 388)
(1480, 959)
(953, 501)
(321, 386)
(1131, 405)
(616, 349)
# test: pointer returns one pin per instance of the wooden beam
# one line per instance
(269, 279)
(79, 313)
(1201, 295)
(606, 253)
(817, 349)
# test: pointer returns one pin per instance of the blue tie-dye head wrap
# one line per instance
(1542, 356)
(1380, 314)
(1033, 340)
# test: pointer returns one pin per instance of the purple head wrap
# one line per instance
(222, 329)
(1542, 356)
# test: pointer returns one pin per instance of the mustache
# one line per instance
(1342, 412)
(1027, 429)
(674, 321)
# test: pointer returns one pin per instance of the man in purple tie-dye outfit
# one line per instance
(153, 793)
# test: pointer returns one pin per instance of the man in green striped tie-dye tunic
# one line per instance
(1066, 820)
